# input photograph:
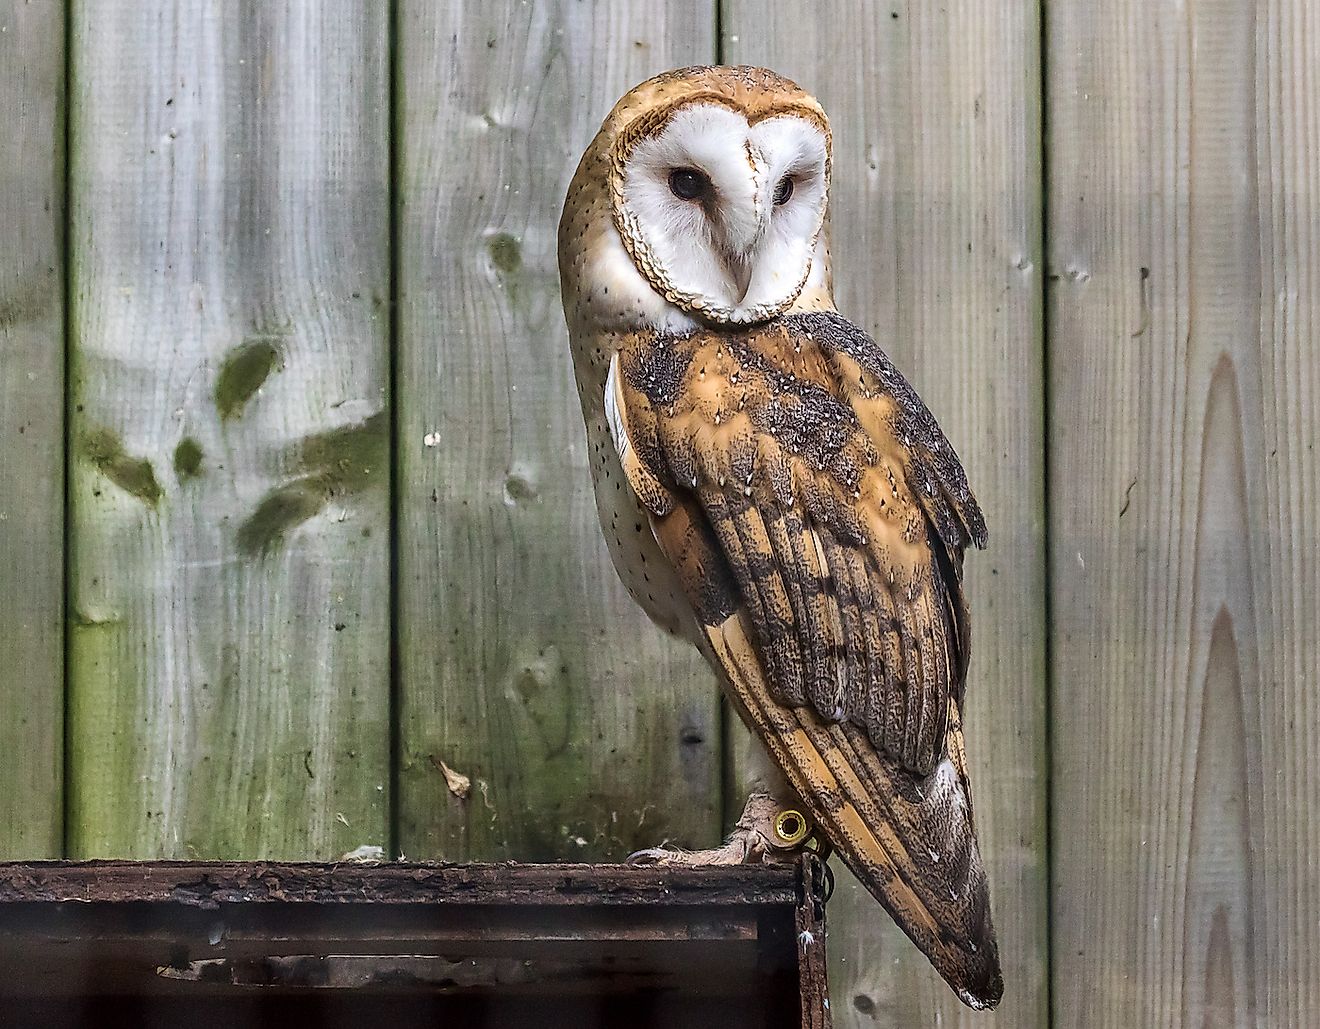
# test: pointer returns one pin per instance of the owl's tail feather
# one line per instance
(910, 840)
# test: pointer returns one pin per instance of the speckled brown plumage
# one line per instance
(780, 495)
(817, 517)
(789, 440)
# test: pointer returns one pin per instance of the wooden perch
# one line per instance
(412, 944)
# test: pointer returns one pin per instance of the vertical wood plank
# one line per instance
(1184, 311)
(936, 227)
(526, 669)
(31, 429)
(229, 684)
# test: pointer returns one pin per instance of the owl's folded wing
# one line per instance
(828, 598)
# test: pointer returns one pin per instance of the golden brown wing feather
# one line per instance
(817, 518)
(838, 534)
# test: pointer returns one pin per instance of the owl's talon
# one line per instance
(737, 851)
(650, 856)
(766, 831)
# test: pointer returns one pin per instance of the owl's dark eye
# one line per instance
(688, 183)
(783, 191)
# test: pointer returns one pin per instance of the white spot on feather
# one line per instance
(613, 413)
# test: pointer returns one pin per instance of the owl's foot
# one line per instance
(767, 831)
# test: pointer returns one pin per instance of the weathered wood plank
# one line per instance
(31, 429)
(525, 667)
(936, 237)
(201, 884)
(1184, 311)
(229, 688)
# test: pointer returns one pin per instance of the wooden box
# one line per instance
(395, 945)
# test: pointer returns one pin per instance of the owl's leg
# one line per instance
(767, 831)
(773, 827)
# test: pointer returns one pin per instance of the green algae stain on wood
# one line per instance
(281, 511)
(244, 371)
(505, 253)
(338, 463)
(134, 475)
(351, 457)
(188, 459)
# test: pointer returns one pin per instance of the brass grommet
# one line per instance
(791, 827)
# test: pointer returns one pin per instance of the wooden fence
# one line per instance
(297, 551)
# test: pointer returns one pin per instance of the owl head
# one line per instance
(701, 200)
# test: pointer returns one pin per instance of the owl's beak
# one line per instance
(742, 242)
(747, 220)
(741, 272)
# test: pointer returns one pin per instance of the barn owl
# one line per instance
(773, 490)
